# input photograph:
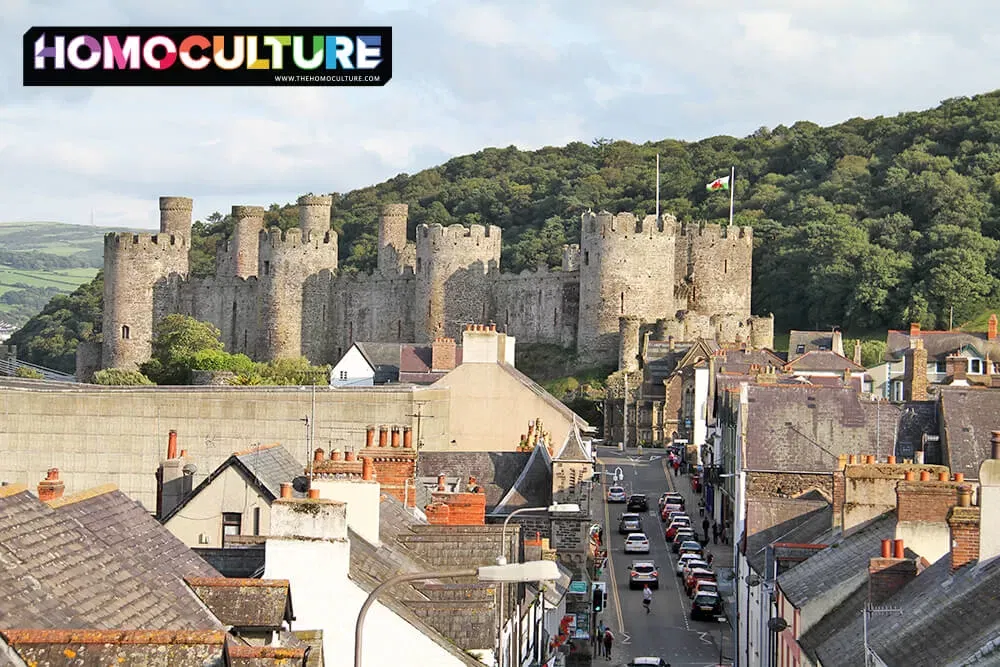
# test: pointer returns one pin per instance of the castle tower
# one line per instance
(133, 265)
(628, 333)
(626, 269)
(285, 261)
(450, 263)
(314, 215)
(715, 261)
(175, 216)
(392, 238)
(245, 247)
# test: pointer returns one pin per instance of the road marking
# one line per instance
(611, 565)
(703, 636)
(673, 565)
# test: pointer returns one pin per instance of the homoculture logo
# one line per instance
(126, 56)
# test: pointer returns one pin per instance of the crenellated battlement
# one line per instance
(716, 232)
(393, 210)
(276, 238)
(325, 201)
(627, 224)
(126, 242)
(437, 233)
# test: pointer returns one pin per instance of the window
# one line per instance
(232, 523)
(623, 303)
(267, 268)
(343, 375)
(800, 349)
(256, 521)
(419, 264)
(725, 266)
(941, 366)
(125, 332)
(586, 258)
(976, 366)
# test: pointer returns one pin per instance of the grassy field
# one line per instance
(65, 280)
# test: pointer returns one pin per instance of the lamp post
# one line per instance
(558, 508)
(539, 570)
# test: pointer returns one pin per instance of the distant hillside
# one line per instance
(866, 224)
(39, 260)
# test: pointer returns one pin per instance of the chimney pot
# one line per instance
(898, 552)
(407, 437)
(286, 489)
(51, 487)
(395, 436)
(350, 456)
(441, 482)
(908, 475)
(172, 445)
(891, 460)
(852, 459)
(959, 477)
(886, 548)
(52, 474)
(914, 328)
(964, 496)
(383, 436)
(318, 454)
(367, 470)
(991, 328)
(184, 453)
(841, 461)
(369, 436)
(925, 475)
(943, 477)
(313, 494)
(995, 443)
(918, 457)
(336, 455)
(869, 459)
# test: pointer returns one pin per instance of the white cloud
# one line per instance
(467, 74)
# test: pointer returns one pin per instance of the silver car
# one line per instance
(630, 523)
(642, 572)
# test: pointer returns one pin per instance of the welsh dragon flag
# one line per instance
(718, 184)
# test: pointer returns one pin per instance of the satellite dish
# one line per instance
(777, 624)
(301, 484)
(189, 469)
(752, 579)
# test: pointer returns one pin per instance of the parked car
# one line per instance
(675, 525)
(692, 565)
(616, 494)
(690, 547)
(637, 503)
(671, 512)
(696, 575)
(706, 605)
(642, 572)
(706, 586)
(630, 523)
(685, 559)
(647, 661)
(674, 498)
(680, 537)
(637, 543)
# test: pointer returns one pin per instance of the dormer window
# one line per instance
(975, 366)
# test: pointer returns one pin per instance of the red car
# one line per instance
(668, 509)
(675, 526)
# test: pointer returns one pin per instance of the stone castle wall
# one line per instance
(282, 295)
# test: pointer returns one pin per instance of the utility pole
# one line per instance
(419, 415)
(625, 416)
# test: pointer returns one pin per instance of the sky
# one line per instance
(467, 74)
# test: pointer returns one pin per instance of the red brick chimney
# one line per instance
(172, 445)
(462, 509)
(51, 487)
(991, 328)
(393, 466)
(957, 367)
(442, 354)
(926, 500)
(914, 328)
(963, 522)
(890, 572)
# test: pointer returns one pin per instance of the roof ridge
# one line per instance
(256, 448)
(12, 490)
(86, 494)
(236, 582)
(59, 636)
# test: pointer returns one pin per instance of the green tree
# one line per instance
(120, 376)
(176, 341)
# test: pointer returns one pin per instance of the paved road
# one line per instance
(667, 631)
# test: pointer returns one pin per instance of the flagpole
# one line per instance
(657, 186)
(732, 192)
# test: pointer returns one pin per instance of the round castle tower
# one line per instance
(392, 238)
(626, 269)
(133, 264)
(245, 249)
(446, 298)
(285, 261)
(716, 260)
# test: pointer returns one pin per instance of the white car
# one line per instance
(616, 494)
(636, 543)
(684, 560)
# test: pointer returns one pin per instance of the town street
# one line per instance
(667, 631)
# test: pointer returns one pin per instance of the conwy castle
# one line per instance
(279, 294)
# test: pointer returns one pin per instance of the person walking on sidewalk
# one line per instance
(704, 527)
(715, 532)
(598, 645)
(701, 507)
(609, 639)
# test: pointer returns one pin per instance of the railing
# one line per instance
(10, 367)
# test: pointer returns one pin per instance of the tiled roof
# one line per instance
(239, 654)
(940, 344)
(824, 361)
(533, 487)
(496, 472)
(946, 620)
(968, 415)
(157, 648)
(92, 577)
(843, 562)
(245, 603)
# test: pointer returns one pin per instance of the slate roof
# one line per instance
(946, 620)
(804, 427)
(156, 648)
(573, 448)
(810, 342)
(549, 399)
(68, 566)
(823, 361)
(940, 344)
(265, 467)
(533, 487)
(739, 361)
(496, 472)
(968, 414)
(844, 560)
(403, 362)
(769, 520)
(245, 603)
(383, 358)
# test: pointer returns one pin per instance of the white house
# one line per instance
(366, 364)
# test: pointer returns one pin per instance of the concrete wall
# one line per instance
(97, 435)
(489, 408)
(229, 492)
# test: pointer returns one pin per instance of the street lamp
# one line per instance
(557, 508)
(538, 570)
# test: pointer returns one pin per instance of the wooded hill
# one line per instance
(867, 224)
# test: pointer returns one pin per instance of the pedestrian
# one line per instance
(715, 532)
(599, 637)
(725, 532)
(704, 526)
(609, 639)
(647, 597)
(677, 468)
(710, 558)
(701, 507)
